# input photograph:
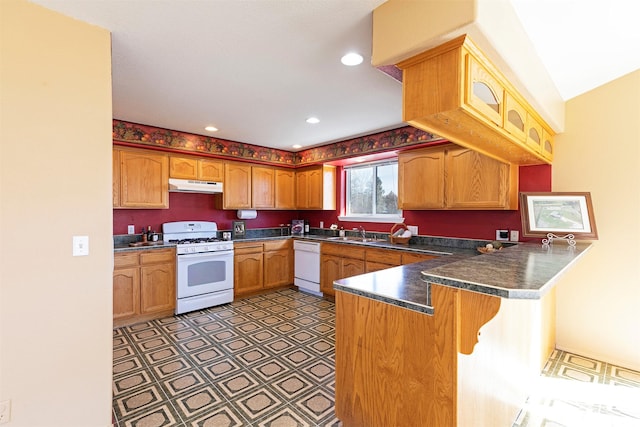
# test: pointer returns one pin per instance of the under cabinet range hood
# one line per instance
(193, 186)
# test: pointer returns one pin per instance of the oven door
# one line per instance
(204, 273)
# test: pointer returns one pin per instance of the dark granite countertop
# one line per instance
(523, 271)
(124, 247)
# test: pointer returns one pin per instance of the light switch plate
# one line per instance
(80, 245)
(413, 229)
(514, 236)
(131, 229)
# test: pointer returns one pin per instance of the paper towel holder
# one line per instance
(247, 214)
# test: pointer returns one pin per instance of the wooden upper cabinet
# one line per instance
(237, 186)
(547, 144)
(454, 91)
(183, 168)
(483, 92)
(285, 188)
(257, 187)
(194, 168)
(116, 178)
(144, 179)
(475, 181)
(454, 177)
(262, 187)
(421, 179)
(316, 188)
(515, 118)
(211, 170)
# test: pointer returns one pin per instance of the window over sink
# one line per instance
(371, 191)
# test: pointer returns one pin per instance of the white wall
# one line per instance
(598, 311)
(55, 182)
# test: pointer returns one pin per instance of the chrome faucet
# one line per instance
(363, 232)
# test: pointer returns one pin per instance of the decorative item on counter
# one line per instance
(400, 234)
(490, 247)
(238, 230)
(341, 233)
(297, 227)
(144, 235)
(334, 226)
(306, 226)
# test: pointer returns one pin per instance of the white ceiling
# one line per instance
(256, 69)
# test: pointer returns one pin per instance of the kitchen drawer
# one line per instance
(275, 245)
(343, 250)
(247, 248)
(157, 256)
(385, 256)
(125, 259)
(411, 257)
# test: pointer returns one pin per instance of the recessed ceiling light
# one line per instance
(297, 146)
(313, 120)
(211, 128)
(351, 59)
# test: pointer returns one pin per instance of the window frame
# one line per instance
(381, 218)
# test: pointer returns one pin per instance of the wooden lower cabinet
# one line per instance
(338, 261)
(380, 259)
(262, 265)
(144, 285)
(126, 293)
(248, 268)
(278, 265)
(411, 257)
(474, 364)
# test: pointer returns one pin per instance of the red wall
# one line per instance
(472, 224)
(193, 207)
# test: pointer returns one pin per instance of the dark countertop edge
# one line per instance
(424, 249)
(359, 285)
(502, 292)
(128, 248)
(427, 309)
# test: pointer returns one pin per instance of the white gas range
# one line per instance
(204, 265)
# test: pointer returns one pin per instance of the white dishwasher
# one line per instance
(307, 266)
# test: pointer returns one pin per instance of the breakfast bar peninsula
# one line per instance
(453, 341)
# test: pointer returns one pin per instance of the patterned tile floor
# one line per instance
(576, 391)
(268, 360)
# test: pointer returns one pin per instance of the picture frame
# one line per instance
(558, 213)
(297, 227)
(238, 231)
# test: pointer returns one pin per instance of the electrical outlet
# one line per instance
(131, 229)
(515, 235)
(5, 411)
(413, 229)
(502, 234)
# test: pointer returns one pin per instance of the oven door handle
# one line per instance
(204, 255)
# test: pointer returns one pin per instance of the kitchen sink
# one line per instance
(357, 239)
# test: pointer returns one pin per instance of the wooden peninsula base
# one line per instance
(471, 363)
